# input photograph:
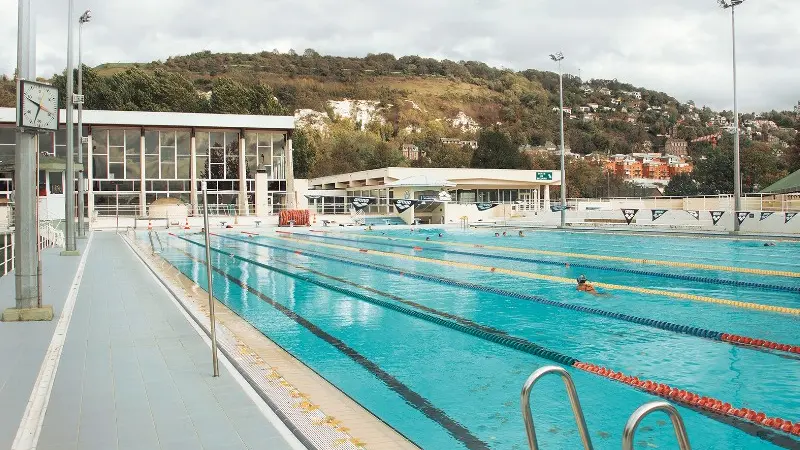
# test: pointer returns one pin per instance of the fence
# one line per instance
(6, 252)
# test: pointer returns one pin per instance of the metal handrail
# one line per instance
(577, 411)
(160, 244)
(644, 410)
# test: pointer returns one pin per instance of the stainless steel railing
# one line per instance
(644, 410)
(577, 411)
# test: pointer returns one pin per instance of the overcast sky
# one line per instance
(682, 47)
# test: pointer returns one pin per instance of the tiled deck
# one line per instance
(134, 373)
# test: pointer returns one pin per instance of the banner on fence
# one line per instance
(741, 216)
(402, 205)
(658, 213)
(789, 217)
(695, 214)
(716, 215)
(764, 215)
(359, 203)
(485, 206)
(629, 214)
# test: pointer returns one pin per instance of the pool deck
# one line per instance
(135, 371)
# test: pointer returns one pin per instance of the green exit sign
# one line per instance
(544, 176)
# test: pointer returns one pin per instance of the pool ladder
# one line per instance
(630, 427)
(153, 244)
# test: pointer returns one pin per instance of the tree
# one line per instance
(495, 151)
(303, 153)
(681, 185)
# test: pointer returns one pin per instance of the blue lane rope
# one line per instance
(668, 326)
(697, 279)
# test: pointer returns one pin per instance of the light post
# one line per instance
(85, 17)
(69, 189)
(737, 180)
(558, 57)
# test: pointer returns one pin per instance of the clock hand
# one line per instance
(33, 101)
(40, 103)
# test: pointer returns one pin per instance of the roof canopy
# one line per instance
(421, 181)
(785, 186)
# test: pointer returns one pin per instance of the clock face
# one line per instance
(38, 106)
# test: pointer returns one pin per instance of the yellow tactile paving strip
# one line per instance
(678, 295)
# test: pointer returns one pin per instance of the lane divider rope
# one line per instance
(696, 279)
(537, 276)
(516, 343)
(733, 339)
(690, 265)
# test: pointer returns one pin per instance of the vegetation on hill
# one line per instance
(416, 101)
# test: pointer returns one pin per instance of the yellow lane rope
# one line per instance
(536, 276)
(777, 273)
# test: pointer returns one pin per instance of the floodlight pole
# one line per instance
(81, 223)
(737, 177)
(558, 57)
(69, 188)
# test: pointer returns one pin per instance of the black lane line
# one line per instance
(416, 400)
(446, 315)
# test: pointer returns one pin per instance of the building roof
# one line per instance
(169, 119)
(421, 181)
(786, 185)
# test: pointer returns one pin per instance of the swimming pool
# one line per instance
(436, 337)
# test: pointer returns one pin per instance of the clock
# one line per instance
(37, 107)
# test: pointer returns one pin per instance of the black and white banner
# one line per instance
(764, 215)
(359, 203)
(716, 215)
(741, 216)
(629, 214)
(789, 217)
(658, 213)
(485, 206)
(695, 214)
(401, 205)
(557, 208)
(313, 197)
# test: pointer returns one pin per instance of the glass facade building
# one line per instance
(132, 159)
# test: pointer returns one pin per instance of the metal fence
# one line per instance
(6, 252)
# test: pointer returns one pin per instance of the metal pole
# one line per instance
(737, 180)
(81, 224)
(563, 172)
(210, 289)
(117, 200)
(69, 191)
(25, 181)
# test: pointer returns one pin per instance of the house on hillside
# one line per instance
(587, 89)
(594, 106)
(410, 152)
(635, 94)
(604, 91)
(676, 147)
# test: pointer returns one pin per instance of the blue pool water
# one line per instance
(444, 388)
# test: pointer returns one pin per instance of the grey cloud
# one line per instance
(681, 47)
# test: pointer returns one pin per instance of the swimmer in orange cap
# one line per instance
(585, 286)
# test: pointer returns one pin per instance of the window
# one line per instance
(266, 150)
(167, 155)
(115, 154)
(217, 155)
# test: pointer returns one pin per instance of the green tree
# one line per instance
(304, 153)
(495, 151)
(682, 185)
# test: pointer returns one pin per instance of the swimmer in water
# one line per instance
(369, 228)
(769, 244)
(428, 238)
(521, 234)
(584, 286)
(440, 234)
(497, 235)
(504, 234)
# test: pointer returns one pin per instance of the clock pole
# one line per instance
(28, 306)
(69, 185)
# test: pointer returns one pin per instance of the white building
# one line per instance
(513, 191)
(132, 159)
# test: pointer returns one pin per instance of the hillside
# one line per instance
(416, 102)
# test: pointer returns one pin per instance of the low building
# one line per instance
(460, 142)
(132, 159)
(440, 195)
